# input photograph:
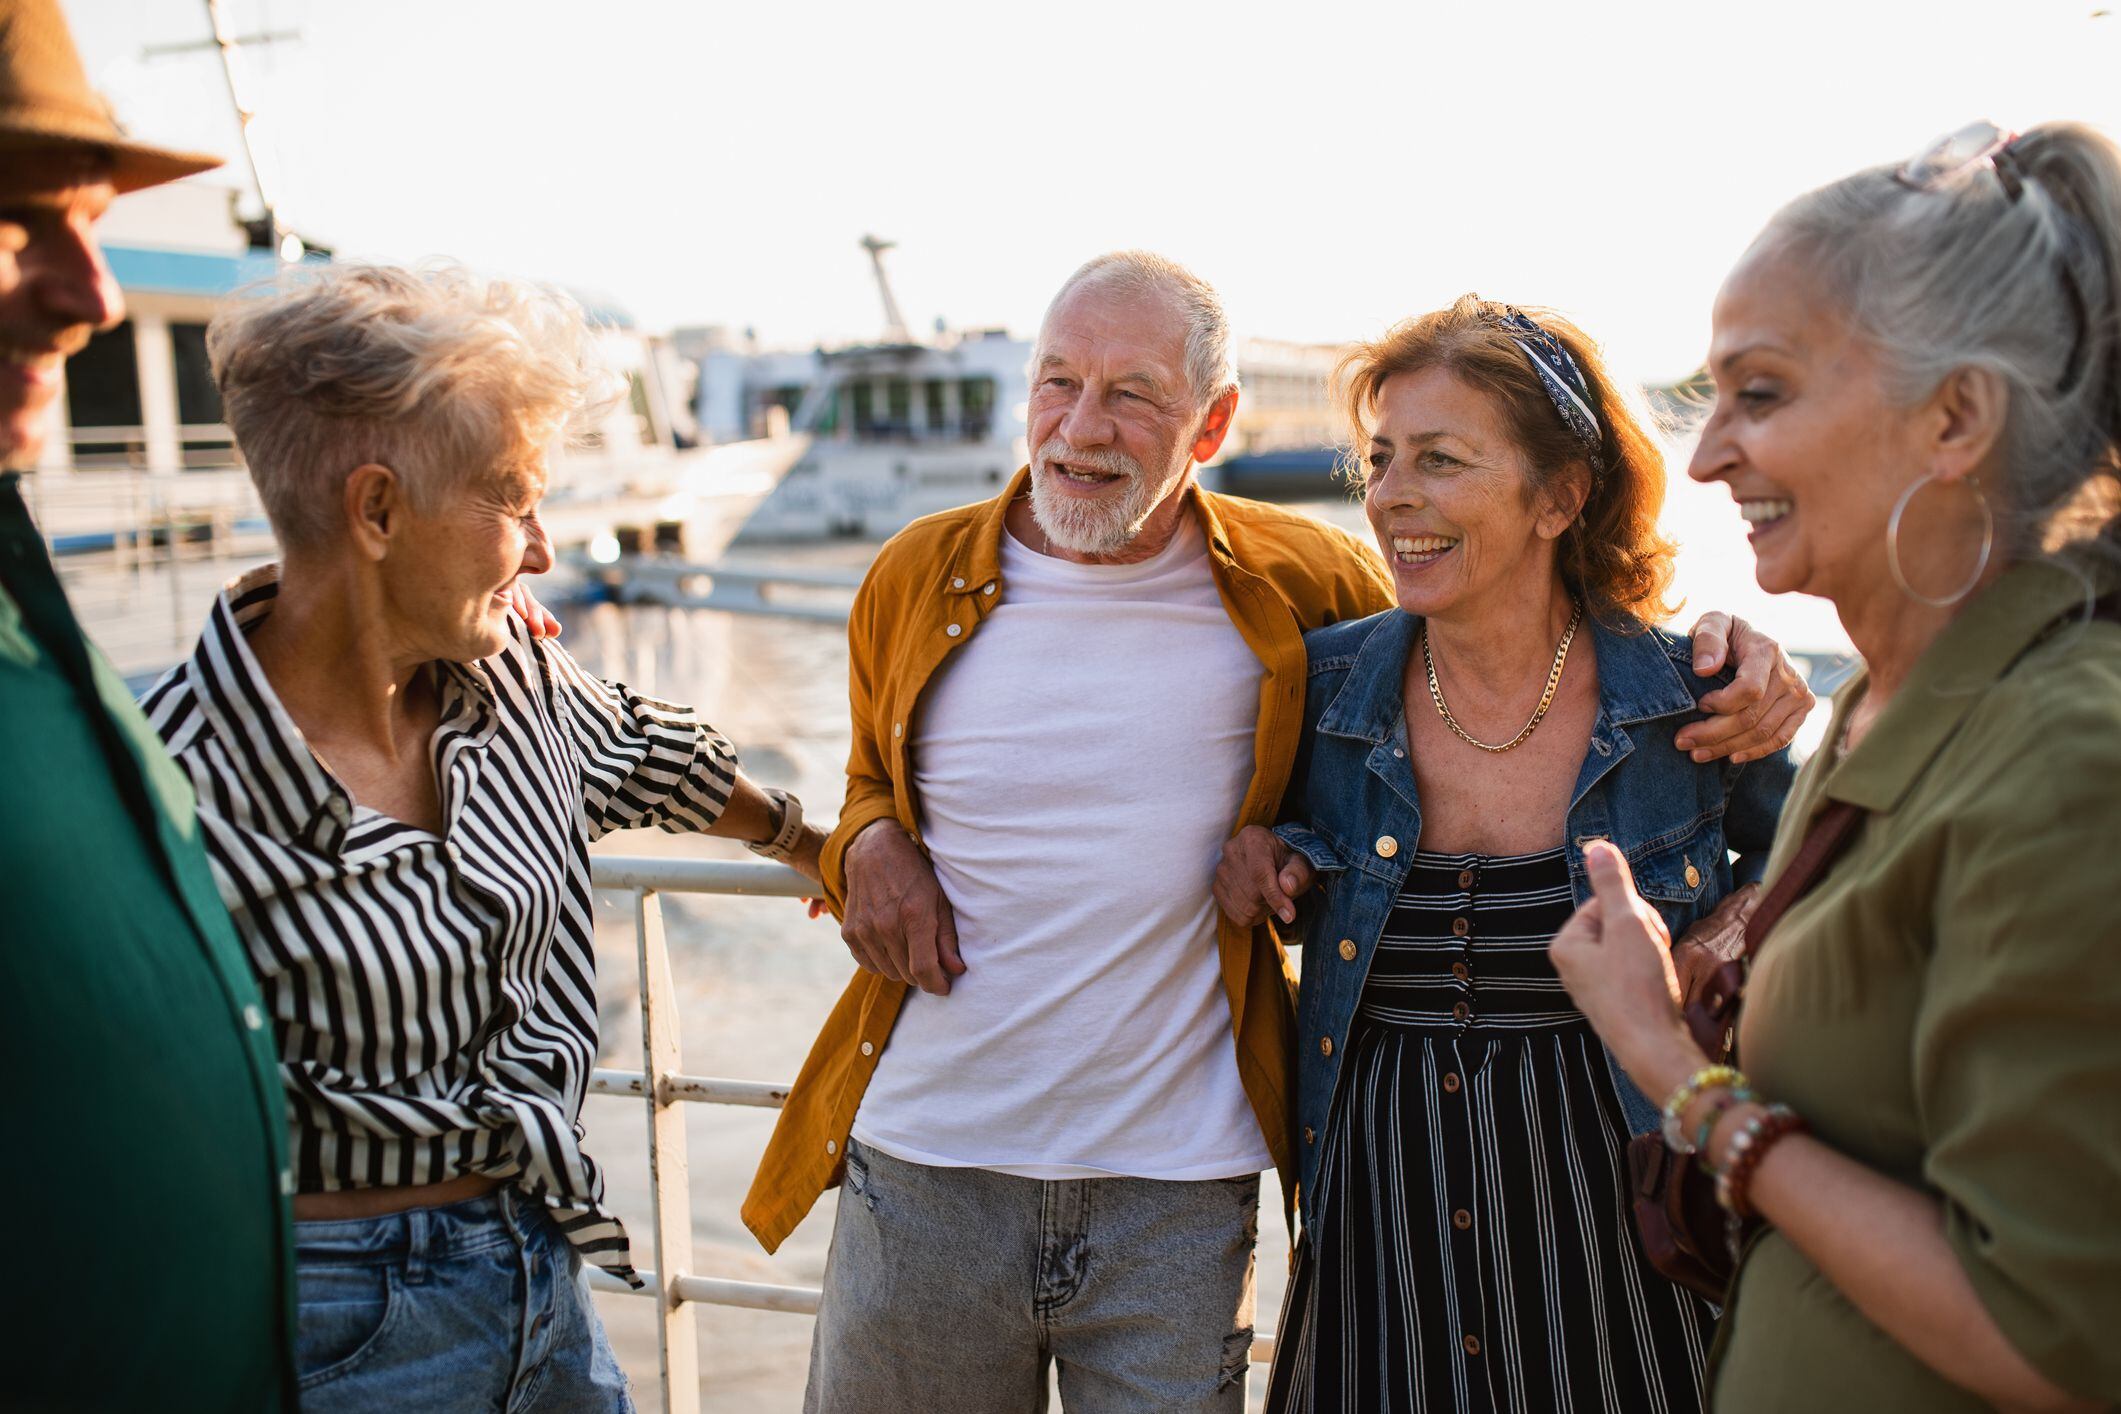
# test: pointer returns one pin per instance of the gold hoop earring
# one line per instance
(1892, 545)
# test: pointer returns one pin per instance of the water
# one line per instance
(756, 978)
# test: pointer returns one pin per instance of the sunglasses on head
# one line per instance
(1947, 161)
(1944, 162)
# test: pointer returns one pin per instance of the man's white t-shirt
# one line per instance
(1079, 763)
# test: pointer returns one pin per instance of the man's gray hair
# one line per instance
(1211, 362)
(439, 374)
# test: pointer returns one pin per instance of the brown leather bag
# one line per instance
(1685, 1232)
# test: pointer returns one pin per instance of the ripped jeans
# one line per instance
(951, 1290)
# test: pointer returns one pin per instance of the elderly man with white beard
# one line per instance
(1050, 1091)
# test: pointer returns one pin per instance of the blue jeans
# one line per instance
(477, 1306)
(952, 1290)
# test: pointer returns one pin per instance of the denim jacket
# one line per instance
(1353, 785)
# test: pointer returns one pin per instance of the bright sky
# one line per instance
(1330, 166)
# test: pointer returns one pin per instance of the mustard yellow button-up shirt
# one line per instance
(1279, 573)
(1945, 1006)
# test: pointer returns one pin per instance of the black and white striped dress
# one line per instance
(1472, 1247)
(434, 995)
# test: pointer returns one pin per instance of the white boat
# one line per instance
(141, 491)
(886, 433)
(902, 428)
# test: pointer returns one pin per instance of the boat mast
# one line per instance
(895, 330)
(226, 42)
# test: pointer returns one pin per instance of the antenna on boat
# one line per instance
(226, 43)
(895, 330)
(286, 245)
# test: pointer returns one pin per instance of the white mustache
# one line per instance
(1098, 459)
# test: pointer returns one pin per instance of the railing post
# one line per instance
(676, 1333)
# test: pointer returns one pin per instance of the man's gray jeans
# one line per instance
(949, 1291)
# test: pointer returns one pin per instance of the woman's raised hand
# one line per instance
(1260, 875)
(1615, 957)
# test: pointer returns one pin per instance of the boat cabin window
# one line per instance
(892, 408)
(103, 401)
(202, 438)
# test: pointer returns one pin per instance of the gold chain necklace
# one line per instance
(1546, 700)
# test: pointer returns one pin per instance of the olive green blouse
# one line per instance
(1945, 1006)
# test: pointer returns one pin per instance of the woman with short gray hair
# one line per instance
(1918, 374)
(398, 786)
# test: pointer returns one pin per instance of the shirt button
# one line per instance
(1693, 877)
(1462, 972)
(1472, 1344)
(1310, 1136)
(953, 630)
(1465, 878)
(252, 1017)
(868, 1048)
(1461, 1220)
(287, 1182)
(957, 584)
(1460, 1012)
(1450, 1082)
(1325, 1045)
(1386, 846)
(1460, 927)
(832, 1146)
(1347, 950)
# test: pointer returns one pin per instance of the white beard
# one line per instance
(1102, 526)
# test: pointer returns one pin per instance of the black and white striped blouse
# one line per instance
(434, 997)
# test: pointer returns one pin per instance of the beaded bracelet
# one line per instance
(1749, 1146)
(1675, 1108)
(1719, 1106)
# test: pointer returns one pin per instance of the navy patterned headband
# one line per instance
(1567, 388)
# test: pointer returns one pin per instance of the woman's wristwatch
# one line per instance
(787, 823)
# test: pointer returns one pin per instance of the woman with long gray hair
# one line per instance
(1918, 374)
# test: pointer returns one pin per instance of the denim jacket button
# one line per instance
(1325, 1045)
(1347, 950)
(1386, 846)
(1693, 877)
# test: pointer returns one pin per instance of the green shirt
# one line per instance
(143, 1175)
(1945, 1006)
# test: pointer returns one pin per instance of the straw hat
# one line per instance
(46, 103)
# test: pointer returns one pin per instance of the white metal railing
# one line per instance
(663, 1085)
